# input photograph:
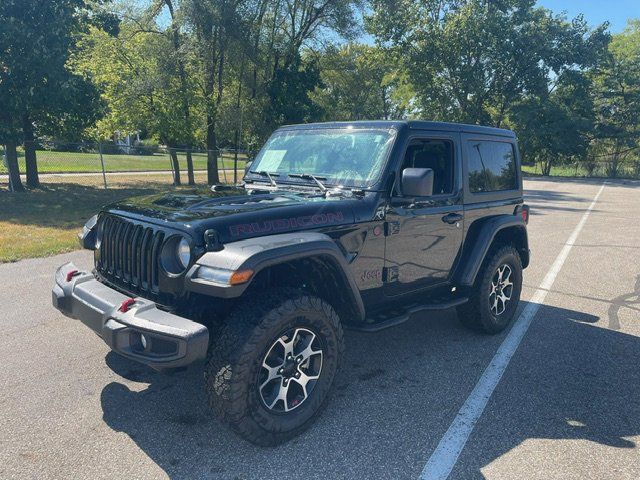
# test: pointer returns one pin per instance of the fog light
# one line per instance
(143, 341)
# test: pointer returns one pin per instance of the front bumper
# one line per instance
(143, 333)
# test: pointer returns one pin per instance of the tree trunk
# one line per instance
(238, 125)
(385, 105)
(212, 153)
(211, 144)
(31, 163)
(614, 167)
(191, 180)
(176, 166)
(183, 87)
(15, 184)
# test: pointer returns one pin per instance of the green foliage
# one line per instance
(289, 94)
(136, 73)
(222, 73)
(361, 82)
(617, 100)
(470, 60)
(556, 126)
(36, 39)
(506, 63)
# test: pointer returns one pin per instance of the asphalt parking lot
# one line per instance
(567, 405)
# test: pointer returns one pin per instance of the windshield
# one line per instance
(345, 157)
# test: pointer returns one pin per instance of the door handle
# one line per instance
(452, 218)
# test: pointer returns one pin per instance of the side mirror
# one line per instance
(247, 166)
(417, 182)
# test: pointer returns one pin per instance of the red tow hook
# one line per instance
(71, 274)
(126, 305)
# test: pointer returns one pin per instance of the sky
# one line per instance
(617, 12)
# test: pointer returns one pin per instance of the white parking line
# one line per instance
(446, 454)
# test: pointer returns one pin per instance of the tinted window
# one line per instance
(492, 166)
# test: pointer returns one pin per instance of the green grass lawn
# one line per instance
(626, 171)
(79, 162)
(45, 221)
(556, 171)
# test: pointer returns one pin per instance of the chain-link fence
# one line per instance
(600, 168)
(114, 165)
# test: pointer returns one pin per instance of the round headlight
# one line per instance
(176, 255)
(184, 253)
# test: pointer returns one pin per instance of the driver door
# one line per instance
(424, 235)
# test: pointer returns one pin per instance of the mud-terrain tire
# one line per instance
(253, 339)
(486, 311)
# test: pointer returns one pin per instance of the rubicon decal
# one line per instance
(284, 224)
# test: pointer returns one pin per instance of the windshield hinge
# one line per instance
(390, 274)
(391, 228)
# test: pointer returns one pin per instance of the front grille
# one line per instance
(130, 254)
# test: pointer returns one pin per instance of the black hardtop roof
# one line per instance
(411, 124)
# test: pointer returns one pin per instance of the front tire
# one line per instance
(270, 371)
(496, 293)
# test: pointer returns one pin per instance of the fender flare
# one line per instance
(261, 252)
(478, 242)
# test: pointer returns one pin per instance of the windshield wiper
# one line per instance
(268, 175)
(308, 176)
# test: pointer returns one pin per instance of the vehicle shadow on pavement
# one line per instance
(570, 380)
(543, 201)
(396, 396)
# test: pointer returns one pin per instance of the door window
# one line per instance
(436, 155)
(492, 166)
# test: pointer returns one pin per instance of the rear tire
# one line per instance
(248, 369)
(496, 293)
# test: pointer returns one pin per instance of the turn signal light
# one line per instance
(240, 276)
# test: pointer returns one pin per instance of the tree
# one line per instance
(36, 89)
(470, 60)
(288, 93)
(557, 126)
(215, 25)
(361, 82)
(184, 90)
(8, 137)
(617, 99)
(298, 25)
(145, 79)
(266, 36)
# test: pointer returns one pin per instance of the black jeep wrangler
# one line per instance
(336, 225)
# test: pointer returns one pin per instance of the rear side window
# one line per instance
(492, 166)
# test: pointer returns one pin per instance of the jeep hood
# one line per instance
(235, 215)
